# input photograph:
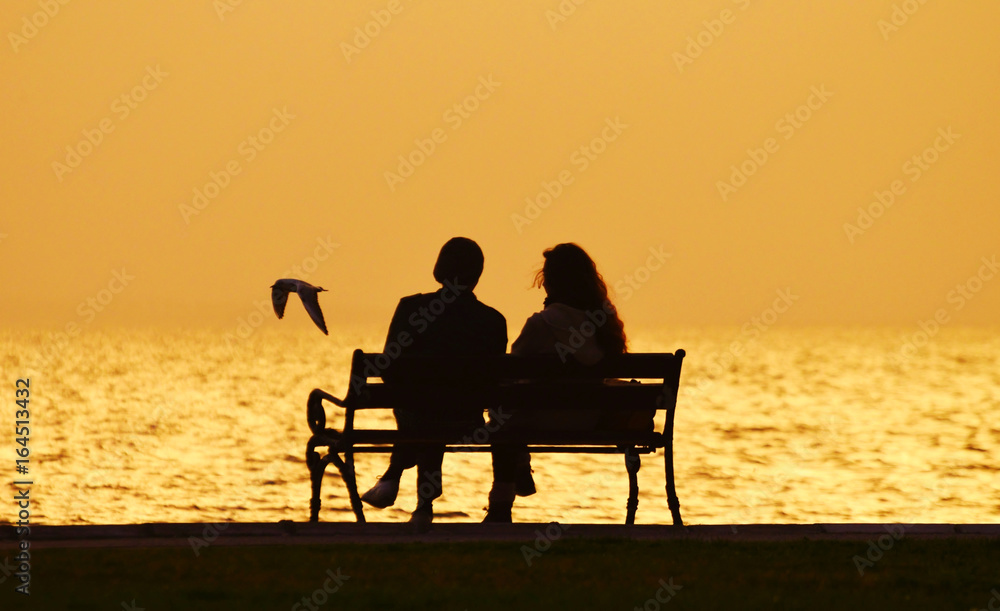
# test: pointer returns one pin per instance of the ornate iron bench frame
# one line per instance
(516, 381)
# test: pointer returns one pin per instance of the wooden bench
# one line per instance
(511, 382)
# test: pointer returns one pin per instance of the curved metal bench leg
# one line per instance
(632, 464)
(317, 467)
(672, 501)
(350, 480)
(347, 474)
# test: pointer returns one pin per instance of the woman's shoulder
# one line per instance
(560, 316)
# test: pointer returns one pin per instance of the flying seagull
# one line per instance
(307, 293)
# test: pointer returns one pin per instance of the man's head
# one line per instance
(460, 261)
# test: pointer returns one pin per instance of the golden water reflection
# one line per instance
(805, 425)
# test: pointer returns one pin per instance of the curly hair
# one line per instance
(569, 276)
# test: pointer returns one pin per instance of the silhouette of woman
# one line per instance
(577, 307)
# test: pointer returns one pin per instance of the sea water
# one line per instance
(794, 426)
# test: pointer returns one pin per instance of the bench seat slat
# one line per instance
(610, 438)
(532, 395)
(651, 365)
(573, 449)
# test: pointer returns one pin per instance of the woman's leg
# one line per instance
(505, 459)
(524, 484)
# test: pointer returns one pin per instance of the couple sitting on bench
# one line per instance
(451, 321)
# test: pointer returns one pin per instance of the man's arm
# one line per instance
(501, 334)
(397, 325)
(400, 338)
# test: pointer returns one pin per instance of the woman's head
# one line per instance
(569, 276)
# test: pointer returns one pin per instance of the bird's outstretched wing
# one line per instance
(307, 293)
(310, 300)
(279, 297)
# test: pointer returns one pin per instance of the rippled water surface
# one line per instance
(801, 426)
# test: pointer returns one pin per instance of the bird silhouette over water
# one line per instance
(307, 293)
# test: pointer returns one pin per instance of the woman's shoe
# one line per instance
(422, 517)
(496, 516)
(501, 502)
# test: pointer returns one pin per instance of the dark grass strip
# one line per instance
(582, 574)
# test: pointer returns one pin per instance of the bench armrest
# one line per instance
(316, 413)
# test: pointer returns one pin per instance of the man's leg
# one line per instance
(383, 494)
(429, 461)
(403, 457)
(430, 457)
(429, 464)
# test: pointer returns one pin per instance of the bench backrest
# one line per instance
(526, 381)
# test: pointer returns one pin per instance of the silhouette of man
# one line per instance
(449, 321)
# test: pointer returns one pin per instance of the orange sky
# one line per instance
(115, 114)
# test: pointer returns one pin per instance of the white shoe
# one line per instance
(382, 494)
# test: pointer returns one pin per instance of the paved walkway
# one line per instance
(323, 533)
